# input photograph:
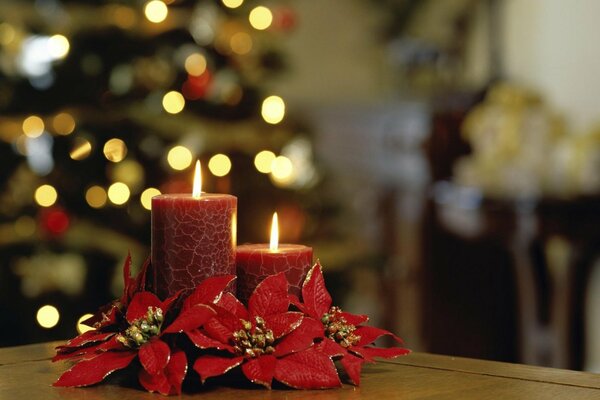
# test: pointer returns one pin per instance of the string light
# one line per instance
(240, 43)
(81, 327)
(173, 102)
(115, 150)
(96, 196)
(81, 149)
(45, 195)
(146, 197)
(58, 46)
(33, 126)
(263, 161)
(195, 64)
(232, 3)
(118, 193)
(260, 18)
(47, 316)
(273, 109)
(282, 169)
(179, 158)
(219, 165)
(156, 11)
(63, 123)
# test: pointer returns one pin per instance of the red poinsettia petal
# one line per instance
(369, 353)
(260, 370)
(106, 315)
(301, 338)
(166, 305)
(139, 305)
(111, 344)
(191, 318)
(353, 365)
(230, 303)
(295, 301)
(154, 383)
(89, 372)
(368, 334)
(202, 341)
(176, 371)
(86, 338)
(331, 348)
(355, 319)
(208, 291)
(270, 296)
(141, 279)
(209, 366)
(315, 296)
(215, 329)
(75, 355)
(154, 356)
(282, 324)
(307, 369)
(128, 281)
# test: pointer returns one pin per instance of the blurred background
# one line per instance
(441, 157)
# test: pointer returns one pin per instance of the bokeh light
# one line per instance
(25, 226)
(282, 169)
(63, 123)
(7, 33)
(58, 46)
(118, 193)
(33, 126)
(273, 109)
(115, 150)
(81, 328)
(232, 3)
(260, 18)
(240, 43)
(173, 102)
(146, 197)
(219, 165)
(96, 196)
(130, 172)
(156, 11)
(45, 195)
(263, 161)
(179, 158)
(81, 149)
(47, 316)
(195, 64)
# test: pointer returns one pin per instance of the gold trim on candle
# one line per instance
(274, 245)
(197, 190)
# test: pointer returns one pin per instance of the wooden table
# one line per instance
(26, 372)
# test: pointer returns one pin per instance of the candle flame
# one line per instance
(274, 245)
(197, 181)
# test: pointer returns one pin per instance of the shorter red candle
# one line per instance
(255, 262)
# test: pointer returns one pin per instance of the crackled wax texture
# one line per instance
(255, 262)
(192, 239)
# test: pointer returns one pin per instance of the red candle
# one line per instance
(193, 238)
(255, 262)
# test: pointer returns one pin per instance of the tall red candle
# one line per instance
(255, 262)
(193, 238)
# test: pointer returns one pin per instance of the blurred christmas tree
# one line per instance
(104, 105)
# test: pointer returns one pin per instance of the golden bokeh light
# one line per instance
(124, 17)
(47, 316)
(81, 328)
(195, 64)
(130, 172)
(146, 197)
(273, 109)
(45, 195)
(118, 193)
(156, 11)
(240, 43)
(96, 196)
(58, 46)
(179, 158)
(63, 123)
(33, 126)
(81, 149)
(173, 102)
(263, 161)
(282, 168)
(7, 33)
(115, 150)
(260, 18)
(219, 165)
(25, 226)
(232, 3)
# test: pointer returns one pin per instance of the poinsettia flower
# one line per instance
(343, 335)
(265, 340)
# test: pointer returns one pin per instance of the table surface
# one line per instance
(27, 372)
